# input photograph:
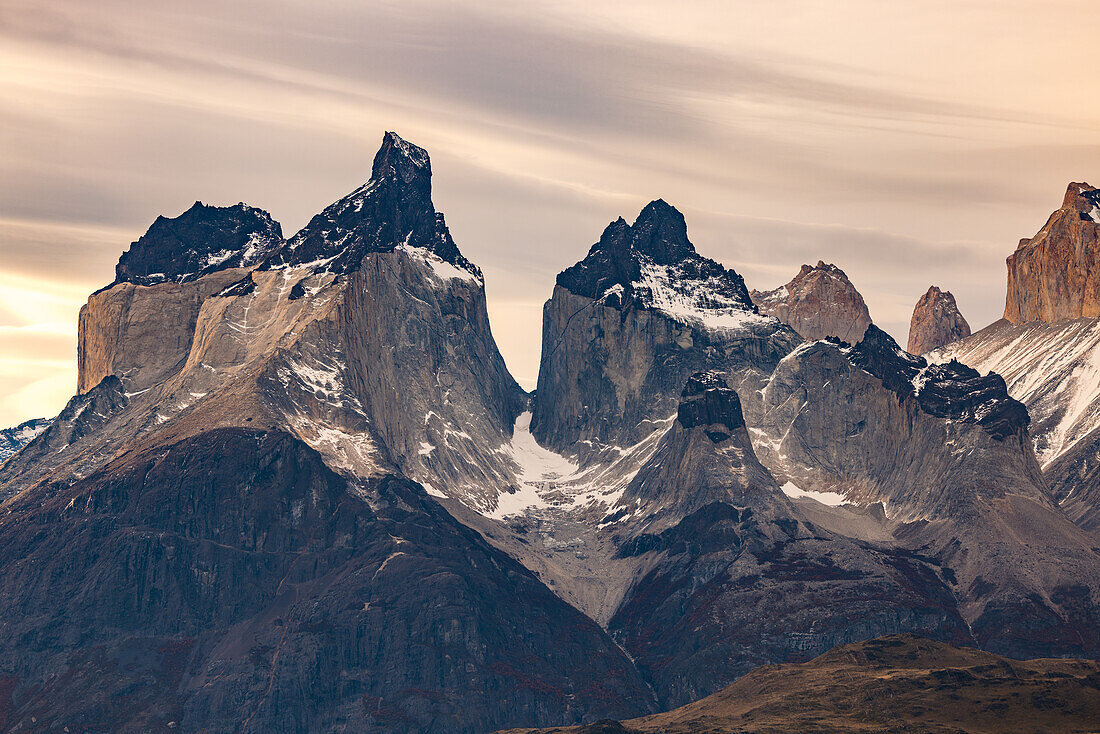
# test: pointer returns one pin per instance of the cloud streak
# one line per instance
(909, 144)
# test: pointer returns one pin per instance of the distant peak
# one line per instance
(398, 158)
(936, 321)
(818, 302)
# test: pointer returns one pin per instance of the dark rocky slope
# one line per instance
(200, 241)
(232, 582)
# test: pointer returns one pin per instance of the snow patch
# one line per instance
(832, 499)
(666, 289)
(441, 269)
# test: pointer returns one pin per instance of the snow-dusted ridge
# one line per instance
(703, 301)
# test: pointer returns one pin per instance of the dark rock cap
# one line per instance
(199, 241)
(393, 209)
(952, 390)
(708, 402)
(657, 237)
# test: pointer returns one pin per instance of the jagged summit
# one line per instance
(819, 302)
(653, 265)
(199, 241)
(948, 390)
(936, 321)
(1053, 276)
(393, 210)
(399, 157)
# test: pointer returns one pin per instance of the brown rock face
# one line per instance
(141, 333)
(936, 322)
(1054, 275)
(818, 302)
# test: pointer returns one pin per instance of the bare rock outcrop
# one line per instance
(1055, 275)
(200, 241)
(818, 302)
(141, 333)
(936, 321)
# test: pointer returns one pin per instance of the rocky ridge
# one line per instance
(630, 323)
(1048, 349)
(818, 302)
(947, 453)
(717, 542)
(279, 415)
(198, 242)
(936, 321)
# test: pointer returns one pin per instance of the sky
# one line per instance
(910, 143)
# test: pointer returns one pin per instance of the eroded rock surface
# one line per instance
(936, 321)
(819, 302)
(732, 574)
(947, 452)
(1054, 276)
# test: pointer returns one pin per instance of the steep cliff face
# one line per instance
(1053, 276)
(370, 312)
(818, 302)
(142, 334)
(1054, 369)
(139, 328)
(733, 575)
(936, 321)
(948, 454)
(627, 326)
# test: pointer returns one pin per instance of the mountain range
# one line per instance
(298, 489)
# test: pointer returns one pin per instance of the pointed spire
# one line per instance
(398, 159)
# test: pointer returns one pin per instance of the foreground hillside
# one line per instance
(890, 684)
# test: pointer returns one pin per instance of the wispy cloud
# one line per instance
(910, 143)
